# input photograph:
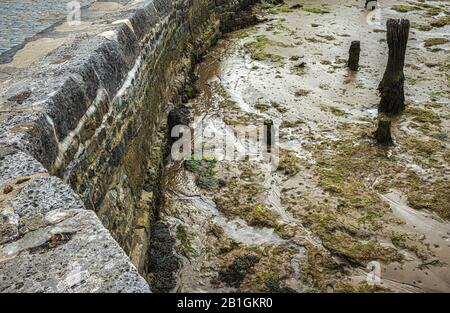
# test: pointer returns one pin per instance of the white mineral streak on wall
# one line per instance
(102, 96)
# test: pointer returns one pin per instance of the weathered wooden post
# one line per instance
(268, 134)
(371, 4)
(353, 60)
(392, 85)
(383, 133)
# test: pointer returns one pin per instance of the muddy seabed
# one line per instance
(337, 202)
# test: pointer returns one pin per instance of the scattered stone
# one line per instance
(7, 189)
(21, 97)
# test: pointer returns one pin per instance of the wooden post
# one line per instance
(383, 133)
(392, 85)
(269, 131)
(353, 60)
(372, 3)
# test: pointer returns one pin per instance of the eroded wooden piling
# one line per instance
(392, 86)
(355, 51)
(383, 133)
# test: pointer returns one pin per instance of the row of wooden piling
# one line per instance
(391, 87)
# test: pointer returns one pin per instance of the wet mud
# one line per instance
(336, 207)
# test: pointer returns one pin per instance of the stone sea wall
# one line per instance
(83, 111)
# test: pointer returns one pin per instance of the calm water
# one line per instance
(21, 19)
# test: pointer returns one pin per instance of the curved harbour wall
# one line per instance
(83, 111)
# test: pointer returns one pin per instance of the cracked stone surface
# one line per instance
(49, 242)
(69, 252)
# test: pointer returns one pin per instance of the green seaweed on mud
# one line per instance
(260, 216)
(322, 272)
(291, 124)
(354, 171)
(358, 252)
(273, 268)
(333, 110)
(357, 164)
(407, 242)
(257, 268)
(288, 163)
(420, 4)
(257, 48)
(339, 239)
(422, 27)
(431, 196)
(348, 242)
(430, 42)
(244, 199)
(433, 11)
(280, 9)
(184, 238)
(404, 8)
(313, 40)
(279, 107)
(441, 21)
(421, 115)
(234, 274)
(361, 287)
(342, 174)
(262, 107)
(302, 92)
(241, 33)
(204, 170)
(327, 37)
(339, 234)
(239, 119)
(423, 148)
(278, 28)
(319, 268)
(316, 10)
